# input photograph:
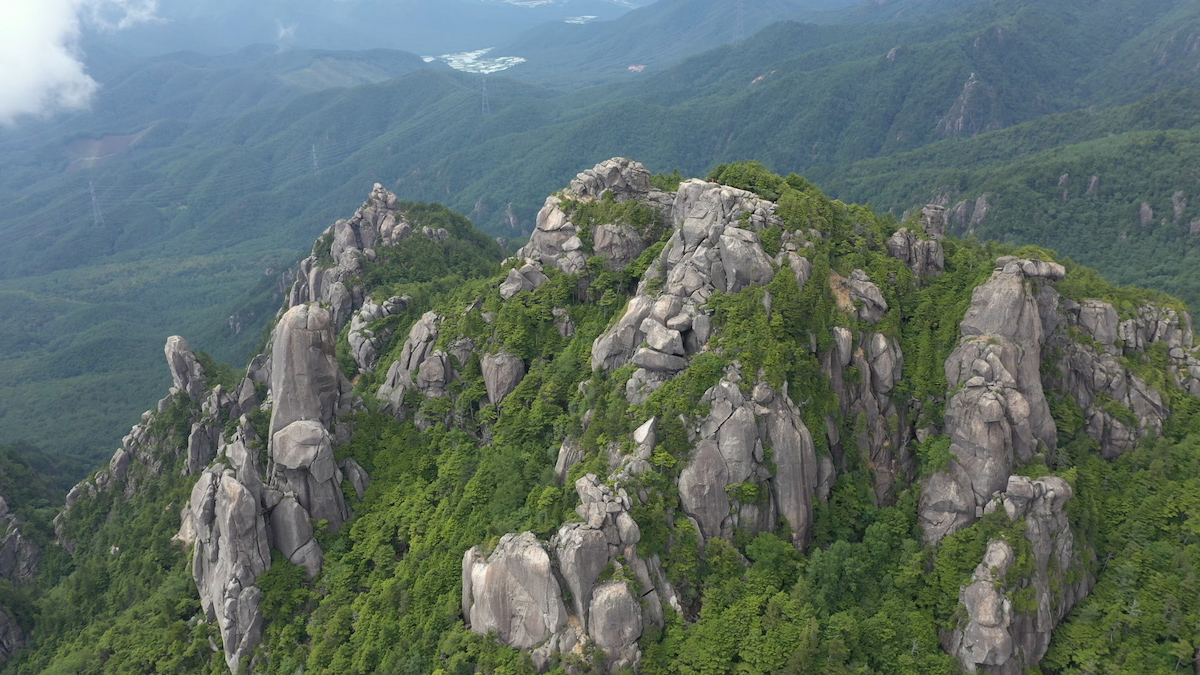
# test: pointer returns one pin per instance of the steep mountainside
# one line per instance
(184, 210)
(1114, 189)
(722, 425)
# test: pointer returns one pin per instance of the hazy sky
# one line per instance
(41, 69)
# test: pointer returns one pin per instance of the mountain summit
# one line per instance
(719, 425)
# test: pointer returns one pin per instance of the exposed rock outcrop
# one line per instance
(502, 373)
(878, 366)
(19, 556)
(1002, 637)
(715, 246)
(323, 276)
(12, 636)
(529, 277)
(513, 592)
(858, 296)
(366, 343)
(556, 240)
(303, 465)
(726, 483)
(418, 348)
(923, 254)
(304, 374)
(516, 591)
(997, 415)
(186, 373)
(234, 518)
(231, 552)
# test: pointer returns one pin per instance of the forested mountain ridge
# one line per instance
(193, 208)
(722, 425)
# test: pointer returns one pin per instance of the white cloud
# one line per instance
(285, 32)
(41, 68)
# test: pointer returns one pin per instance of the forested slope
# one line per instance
(731, 419)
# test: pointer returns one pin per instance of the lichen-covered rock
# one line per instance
(502, 373)
(513, 592)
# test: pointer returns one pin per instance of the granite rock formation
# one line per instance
(997, 636)
(997, 416)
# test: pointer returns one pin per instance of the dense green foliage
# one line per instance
(866, 597)
(1074, 182)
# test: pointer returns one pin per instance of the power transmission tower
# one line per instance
(316, 166)
(487, 110)
(739, 22)
(97, 214)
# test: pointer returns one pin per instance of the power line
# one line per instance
(739, 23)
(487, 110)
(97, 214)
(223, 185)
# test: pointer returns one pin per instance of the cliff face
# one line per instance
(723, 366)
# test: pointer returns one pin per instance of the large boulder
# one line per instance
(303, 464)
(304, 371)
(619, 243)
(582, 553)
(616, 623)
(231, 552)
(292, 535)
(186, 372)
(513, 593)
(502, 373)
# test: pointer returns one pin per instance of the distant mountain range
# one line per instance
(423, 26)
